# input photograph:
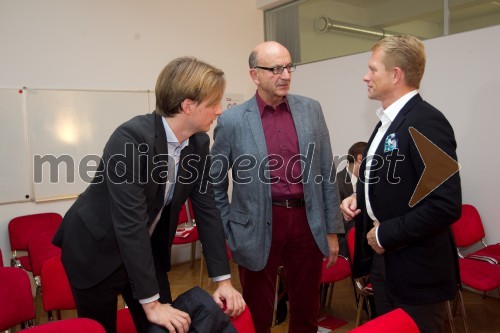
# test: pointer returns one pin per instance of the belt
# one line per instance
(290, 203)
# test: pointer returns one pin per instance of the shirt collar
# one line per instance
(392, 111)
(261, 104)
(171, 138)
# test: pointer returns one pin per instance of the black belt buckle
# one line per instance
(290, 203)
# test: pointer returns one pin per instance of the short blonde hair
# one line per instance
(188, 78)
(406, 52)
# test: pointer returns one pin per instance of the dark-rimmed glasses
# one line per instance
(278, 69)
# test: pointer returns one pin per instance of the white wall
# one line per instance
(461, 79)
(118, 45)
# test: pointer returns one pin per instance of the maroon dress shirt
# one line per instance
(283, 150)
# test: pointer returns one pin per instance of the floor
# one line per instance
(483, 314)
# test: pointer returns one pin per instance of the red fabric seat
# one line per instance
(40, 248)
(73, 325)
(469, 233)
(396, 321)
(56, 290)
(337, 272)
(186, 218)
(23, 228)
(124, 322)
(244, 322)
(16, 300)
(479, 275)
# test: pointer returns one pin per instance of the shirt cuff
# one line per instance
(221, 278)
(376, 236)
(150, 299)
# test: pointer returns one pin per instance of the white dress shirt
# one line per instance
(386, 116)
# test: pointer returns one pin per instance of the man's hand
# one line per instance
(349, 207)
(372, 238)
(333, 247)
(235, 304)
(175, 321)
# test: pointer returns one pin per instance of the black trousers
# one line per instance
(100, 303)
(428, 317)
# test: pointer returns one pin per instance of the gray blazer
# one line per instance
(240, 145)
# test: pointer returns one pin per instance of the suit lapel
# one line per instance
(393, 128)
(362, 168)
(300, 122)
(181, 172)
(161, 148)
(255, 124)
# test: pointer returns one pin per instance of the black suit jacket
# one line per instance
(344, 184)
(108, 225)
(420, 254)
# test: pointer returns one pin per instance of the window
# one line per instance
(321, 29)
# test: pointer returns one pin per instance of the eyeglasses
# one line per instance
(278, 69)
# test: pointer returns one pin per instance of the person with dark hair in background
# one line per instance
(117, 237)
(406, 243)
(284, 210)
(347, 179)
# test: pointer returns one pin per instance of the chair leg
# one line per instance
(276, 295)
(38, 300)
(462, 309)
(193, 253)
(360, 309)
(202, 263)
(450, 316)
(330, 295)
(322, 295)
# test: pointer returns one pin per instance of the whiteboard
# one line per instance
(52, 140)
(14, 161)
(67, 133)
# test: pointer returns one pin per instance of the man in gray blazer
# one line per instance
(117, 237)
(285, 208)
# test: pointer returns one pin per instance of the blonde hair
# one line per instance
(188, 78)
(406, 52)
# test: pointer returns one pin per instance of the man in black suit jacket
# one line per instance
(347, 179)
(407, 248)
(117, 236)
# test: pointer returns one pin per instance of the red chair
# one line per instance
(244, 323)
(479, 275)
(16, 300)
(339, 271)
(40, 248)
(363, 287)
(396, 321)
(23, 228)
(124, 322)
(184, 234)
(73, 325)
(469, 233)
(56, 290)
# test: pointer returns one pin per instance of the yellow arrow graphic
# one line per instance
(439, 166)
